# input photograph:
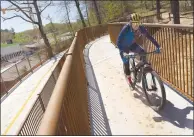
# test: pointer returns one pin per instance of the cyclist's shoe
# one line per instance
(129, 80)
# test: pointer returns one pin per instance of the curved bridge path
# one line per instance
(116, 110)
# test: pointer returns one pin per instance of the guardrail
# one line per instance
(67, 110)
(175, 64)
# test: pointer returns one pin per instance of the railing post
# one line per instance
(86, 35)
(39, 58)
(169, 16)
(4, 85)
(18, 72)
(41, 102)
(29, 64)
(53, 77)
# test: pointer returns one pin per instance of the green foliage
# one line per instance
(21, 38)
(6, 45)
(92, 17)
(60, 28)
(112, 10)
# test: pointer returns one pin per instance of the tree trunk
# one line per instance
(192, 7)
(176, 15)
(171, 6)
(53, 31)
(146, 4)
(69, 22)
(152, 4)
(80, 13)
(97, 12)
(158, 9)
(49, 49)
(87, 13)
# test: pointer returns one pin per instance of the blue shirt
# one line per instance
(127, 37)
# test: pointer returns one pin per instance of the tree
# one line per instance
(37, 12)
(97, 12)
(67, 15)
(192, 7)
(175, 11)
(158, 9)
(80, 13)
(87, 13)
(53, 31)
(152, 4)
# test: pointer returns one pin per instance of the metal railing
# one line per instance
(15, 73)
(67, 110)
(175, 64)
(18, 71)
(34, 116)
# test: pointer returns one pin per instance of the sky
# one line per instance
(20, 25)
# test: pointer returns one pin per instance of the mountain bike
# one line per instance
(151, 81)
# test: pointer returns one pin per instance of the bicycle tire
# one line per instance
(163, 93)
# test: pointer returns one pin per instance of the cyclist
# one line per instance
(126, 41)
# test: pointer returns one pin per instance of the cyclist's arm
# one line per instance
(145, 32)
(122, 34)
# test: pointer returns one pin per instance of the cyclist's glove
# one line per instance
(125, 60)
(157, 50)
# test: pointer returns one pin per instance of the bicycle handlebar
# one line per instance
(138, 54)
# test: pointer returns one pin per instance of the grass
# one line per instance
(7, 45)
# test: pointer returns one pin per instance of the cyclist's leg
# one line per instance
(126, 64)
(126, 68)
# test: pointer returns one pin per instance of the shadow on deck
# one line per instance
(98, 118)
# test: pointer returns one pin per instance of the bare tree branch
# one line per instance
(45, 7)
(16, 15)
(27, 3)
(21, 10)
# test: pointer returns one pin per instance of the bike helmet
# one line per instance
(135, 17)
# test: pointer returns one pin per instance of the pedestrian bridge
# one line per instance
(91, 97)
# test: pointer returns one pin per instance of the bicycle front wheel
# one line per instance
(154, 90)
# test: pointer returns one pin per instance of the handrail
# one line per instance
(156, 25)
(39, 98)
(67, 110)
(56, 99)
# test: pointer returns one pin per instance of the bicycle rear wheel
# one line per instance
(154, 90)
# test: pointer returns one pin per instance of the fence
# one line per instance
(175, 64)
(32, 120)
(16, 73)
(69, 98)
(12, 55)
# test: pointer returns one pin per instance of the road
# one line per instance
(116, 110)
(15, 107)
